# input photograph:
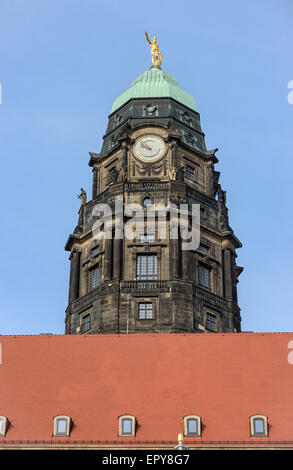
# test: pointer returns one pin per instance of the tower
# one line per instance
(153, 152)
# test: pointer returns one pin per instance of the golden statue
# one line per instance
(155, 52)
(82, 196)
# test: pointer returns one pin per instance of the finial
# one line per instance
(155, 52)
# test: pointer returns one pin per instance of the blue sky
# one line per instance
(62, 64)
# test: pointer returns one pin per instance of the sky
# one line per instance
(63, 63)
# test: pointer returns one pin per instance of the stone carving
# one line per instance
(180, 174)
(185, 117)
(221, 195)
(190, 139)
(82, 196)
(117, 119)
(113, 175)
(150, 109)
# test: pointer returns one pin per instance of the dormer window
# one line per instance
(259, 425)
(62, 425)
(192, 425)
(3, 425)
(127, 425)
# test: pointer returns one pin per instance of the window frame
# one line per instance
(68, 426)
(252, 426)
(145, 236)
(91, 270)
(145, 302)
(83, 322)
(209, 270)
(192, 434)
(139, 274)
(133, 425)
(147, 198)
(3, 428)
(187, 168)
(211, 314)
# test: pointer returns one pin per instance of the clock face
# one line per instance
(149, 148)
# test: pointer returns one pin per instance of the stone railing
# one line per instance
(143, 286)
(148, 186)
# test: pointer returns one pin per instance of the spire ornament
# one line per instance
(155, 52)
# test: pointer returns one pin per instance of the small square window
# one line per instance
(189, 172)
(145, 311)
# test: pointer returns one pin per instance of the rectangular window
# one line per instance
(189, 173)
(211, 322)
(204, 276)
(203, 248)
(94, 278)
(126, 426)
(145, 311)
(61, 426)
(146, 267)
(258, 426)
(86, 323)
(147, 238)
(95, 251)
(192, 427)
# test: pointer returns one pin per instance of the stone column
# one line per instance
(74, 275)
(185, 264)
(108, 260)
(95, 183)
(228, 273)
(174, 257)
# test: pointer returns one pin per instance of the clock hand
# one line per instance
(145, 146)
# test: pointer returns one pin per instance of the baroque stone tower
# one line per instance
(154, 152)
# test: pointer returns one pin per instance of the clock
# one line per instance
(149, 148)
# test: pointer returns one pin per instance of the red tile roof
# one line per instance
(94, 379)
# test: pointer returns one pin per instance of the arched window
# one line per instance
(127, 425)
(192, 425)
(62, 425)
(258, 425)
(147, 201)
(3, 425)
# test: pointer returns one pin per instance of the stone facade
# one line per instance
(191, 291)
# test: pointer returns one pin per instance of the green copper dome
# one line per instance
(154, 83)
